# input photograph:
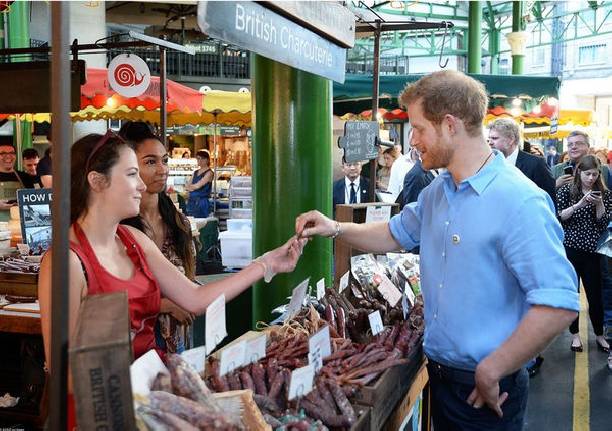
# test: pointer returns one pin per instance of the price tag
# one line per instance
(315, 359)
(344, 281)
(319, 346)
(232, 357)
(376, 323)
(144, 370)
(389, 291)
(378, 214)
(215, 323)
(409, 293)
(196, 358)
(320, 289)
(301, 381)
(256, 349)
(297, 299)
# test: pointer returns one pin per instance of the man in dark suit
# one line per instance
(504, 135)
(415, 181)
(352, 188)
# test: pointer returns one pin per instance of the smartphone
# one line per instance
(596, 193)
(568, 170)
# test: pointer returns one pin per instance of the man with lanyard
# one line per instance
(353, 188)
(496, 291)
(10, 180)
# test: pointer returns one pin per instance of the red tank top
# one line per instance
(143, 291)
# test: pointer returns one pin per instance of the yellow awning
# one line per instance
(226, 101)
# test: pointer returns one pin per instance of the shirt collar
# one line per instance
(511, 159)
(347, 182)
(481, 180)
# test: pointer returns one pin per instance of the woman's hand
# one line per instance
(183, 316)
(595, 198)
(585, 201)
(285, 257)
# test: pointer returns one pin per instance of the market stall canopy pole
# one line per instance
(60, 108)
(163, 46)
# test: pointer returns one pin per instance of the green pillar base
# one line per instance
(292, 171)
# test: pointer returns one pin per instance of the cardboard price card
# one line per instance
(301, 381)
(232, 357)
(144, 370)
(196, 358)
(376, 323)
(297, 299)
(389, 291)
(320, 289)
(215, 323)
(319, 347)
(378, 214)
(344, 281)
(256, 349)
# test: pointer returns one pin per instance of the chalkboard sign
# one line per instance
(359, 141)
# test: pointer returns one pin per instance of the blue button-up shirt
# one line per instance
(490, 248)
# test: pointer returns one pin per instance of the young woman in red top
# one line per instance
(107, 257)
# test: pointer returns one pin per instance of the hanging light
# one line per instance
(516, 102)
(516, 112)
(397, 4)
(110, 102)
(552, 101)
(537, 109)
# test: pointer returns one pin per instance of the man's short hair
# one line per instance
(29, 153)
(7, 144)
(580, 133)
(449, 92)
(508, 128)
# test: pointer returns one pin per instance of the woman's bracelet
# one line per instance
(335, 235)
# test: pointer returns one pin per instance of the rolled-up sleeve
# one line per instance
(533, 251)
(405, 227)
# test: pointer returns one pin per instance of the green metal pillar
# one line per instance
(19, 37)
(494, 51)
(474, 29)
(292, 171)
(517, 25)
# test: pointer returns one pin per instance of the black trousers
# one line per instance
(588, 268)
(450, 389)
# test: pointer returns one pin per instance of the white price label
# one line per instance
(344, 281)
(215, 323)
(297, 299)
(377, 214)
(256, 349)
(301, 381)
(320, 289)
(232, 357)
(144, 370)
(376, 323)
(196, 357)
(321, 340)
(315, 359)
(389, 291)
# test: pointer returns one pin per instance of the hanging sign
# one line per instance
(359, 141)
(251, 26)
(129, 75)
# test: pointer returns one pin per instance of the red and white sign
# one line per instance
(129, 75)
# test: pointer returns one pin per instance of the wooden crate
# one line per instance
(363, 418)
(100, 358)
(391, 387)
(18, 284)
(404, 407)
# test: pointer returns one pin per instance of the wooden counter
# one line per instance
(19, 322)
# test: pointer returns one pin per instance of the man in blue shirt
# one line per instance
(496, 291)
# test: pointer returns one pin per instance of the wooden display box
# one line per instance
(363, 418)
(18, 284)
(389, 389)
(100, 358)
(355, 213)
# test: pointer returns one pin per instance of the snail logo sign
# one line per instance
(129, 75)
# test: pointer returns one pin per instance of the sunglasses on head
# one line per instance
(103, 140)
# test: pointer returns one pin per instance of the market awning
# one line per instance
(355, 94)
(184, 105)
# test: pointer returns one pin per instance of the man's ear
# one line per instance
(97, 181)
(452, 124)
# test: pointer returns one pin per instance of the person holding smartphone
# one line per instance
(578, 146)
(584, 207)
